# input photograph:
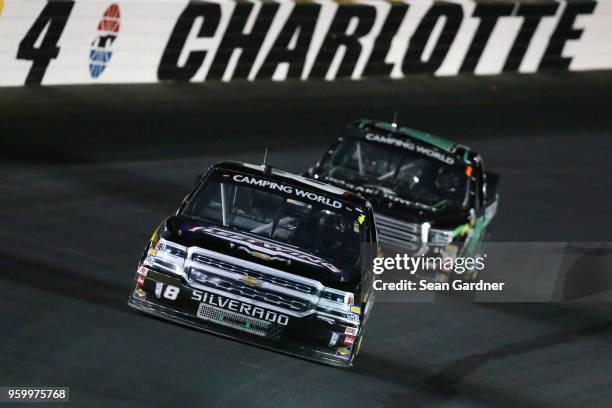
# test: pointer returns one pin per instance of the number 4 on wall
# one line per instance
(40, 42)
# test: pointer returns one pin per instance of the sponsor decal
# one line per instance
(409, 145)
(287, 189)
(361, 219)
(349, 340)
(373, 191)
(152, 252)
(268, 248)
(263, 183)
(143, 271)
(351, 331)
(1, 6)
(352, 186)
(355, 309)
(334, 339)
(108, 29)
(390, 140)
(408, 203)
(141, 280)
(140, 293)
(343, 351)
(240, 307)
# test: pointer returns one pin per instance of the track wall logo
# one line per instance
(108, 29)
(330, 40)
(202, 40)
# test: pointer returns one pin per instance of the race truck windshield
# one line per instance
(393, 170)
(310, 221)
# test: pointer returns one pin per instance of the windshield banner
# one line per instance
(290, 190)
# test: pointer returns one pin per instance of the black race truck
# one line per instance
(266, 257)
(431, 196)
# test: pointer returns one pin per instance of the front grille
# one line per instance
(276, 280)
(234, 320)
(238, 288)
(392, 231)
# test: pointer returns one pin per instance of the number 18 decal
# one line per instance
(170, 292)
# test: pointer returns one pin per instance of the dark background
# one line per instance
(86, 173)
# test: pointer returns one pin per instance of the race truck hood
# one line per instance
(194, 233)
(386, 201)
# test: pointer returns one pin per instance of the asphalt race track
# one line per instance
(86, 173)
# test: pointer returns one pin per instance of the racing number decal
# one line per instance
(49, 25)
(171, 292)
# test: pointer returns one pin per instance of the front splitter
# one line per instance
(300, 351)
